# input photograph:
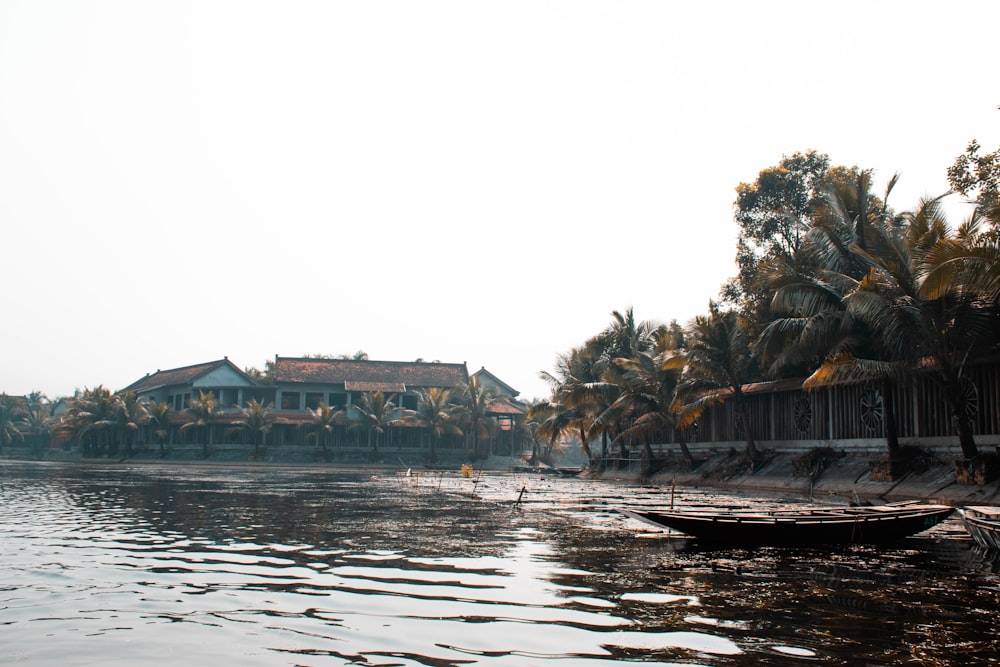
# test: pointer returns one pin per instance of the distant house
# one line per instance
(305, 383)
(177, 386)
(296, 386)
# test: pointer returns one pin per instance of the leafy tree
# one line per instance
(977, 176)
(774, 214)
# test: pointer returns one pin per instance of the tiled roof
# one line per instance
(410, 374)
(177, 376)
(505, 405)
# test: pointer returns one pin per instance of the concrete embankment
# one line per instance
(849, 477)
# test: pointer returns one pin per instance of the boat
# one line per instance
(983, 523)
(799, 527)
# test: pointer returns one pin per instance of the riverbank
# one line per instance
(850, 476)
(844, 475)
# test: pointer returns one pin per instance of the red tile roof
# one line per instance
(408, 374)
(177, 376)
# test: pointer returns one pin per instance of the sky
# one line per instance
(456, 181)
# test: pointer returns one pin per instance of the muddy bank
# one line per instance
(851, 477)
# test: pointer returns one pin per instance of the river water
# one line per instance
(209, 565)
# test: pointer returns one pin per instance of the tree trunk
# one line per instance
(752, 452)
(682, 441)
(889, 422)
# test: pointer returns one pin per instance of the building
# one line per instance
(295, 387)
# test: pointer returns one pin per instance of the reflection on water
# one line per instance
(124, 565)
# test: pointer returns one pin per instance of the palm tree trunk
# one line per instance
(889, 415)
(685, 451)
(752, 452)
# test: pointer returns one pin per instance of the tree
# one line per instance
(436, 413)
(773, 213)
(324, 418)
(11, 411)
(977, 176)
(257, 419)
(475, 400)
(159, 416)
(374, 410)
(573, 404)
(89, 419)
(815, 331)
(719, 362)
(128, 415)
(651, 390)
(200, 414)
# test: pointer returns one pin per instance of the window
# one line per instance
(337, 400)
(289, 400)
(313, 399)
(408, 401)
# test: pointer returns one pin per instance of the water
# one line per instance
(128, 565)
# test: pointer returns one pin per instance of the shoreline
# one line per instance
(848, 477)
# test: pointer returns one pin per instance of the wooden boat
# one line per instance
(800, 527)
(983, 523)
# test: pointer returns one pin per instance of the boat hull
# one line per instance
(816, 527)
(983, 524)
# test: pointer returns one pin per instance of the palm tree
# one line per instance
(475, 401)
(719, 362)
(11, 410)
(436, 413)
(159, 415)
(324, 418)
(375, 412)
(256, 418)
(89, 419)
(128, 415)
(200, 413)
(815, 328)
(573, 405)
(36, 422)
(651, 390)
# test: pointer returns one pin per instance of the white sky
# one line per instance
(456, 181)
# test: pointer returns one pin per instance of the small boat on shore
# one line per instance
(800, 527)
(983, 523)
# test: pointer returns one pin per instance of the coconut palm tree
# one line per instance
(256, 418)
(573, 405)
(814, 328)
(89, 419)
(199, 414)
(36, 422)
(650, 384)
(159, 415)
(474, 401)
(436, 413)
(11, 412)
(323, 420)
(374, 411)
(719, 362)
(128, 415)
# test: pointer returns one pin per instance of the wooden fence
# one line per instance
(781, 413)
